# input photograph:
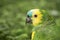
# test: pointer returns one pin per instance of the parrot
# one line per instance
(44, 26)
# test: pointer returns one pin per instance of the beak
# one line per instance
(28, 20)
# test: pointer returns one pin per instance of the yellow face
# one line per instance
(36, 17)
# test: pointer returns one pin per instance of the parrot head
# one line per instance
(34, 17)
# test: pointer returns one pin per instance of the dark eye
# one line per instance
(35, 15)
(27, 15)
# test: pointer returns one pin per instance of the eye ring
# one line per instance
(35, 15)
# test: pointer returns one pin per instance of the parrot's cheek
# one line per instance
(36, 21)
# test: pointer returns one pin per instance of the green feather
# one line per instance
(47, 30)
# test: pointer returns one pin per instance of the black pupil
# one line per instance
(35, 15)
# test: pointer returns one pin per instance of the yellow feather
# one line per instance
(33, 35)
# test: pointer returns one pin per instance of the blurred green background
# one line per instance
(13, 15)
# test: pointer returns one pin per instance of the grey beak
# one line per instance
(28, 20)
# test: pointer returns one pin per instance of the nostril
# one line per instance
(27, 15)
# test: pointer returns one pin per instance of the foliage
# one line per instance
(13, 15)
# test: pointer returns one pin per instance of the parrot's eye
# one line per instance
(35, 15)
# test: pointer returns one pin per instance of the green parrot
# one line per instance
(44, 26)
